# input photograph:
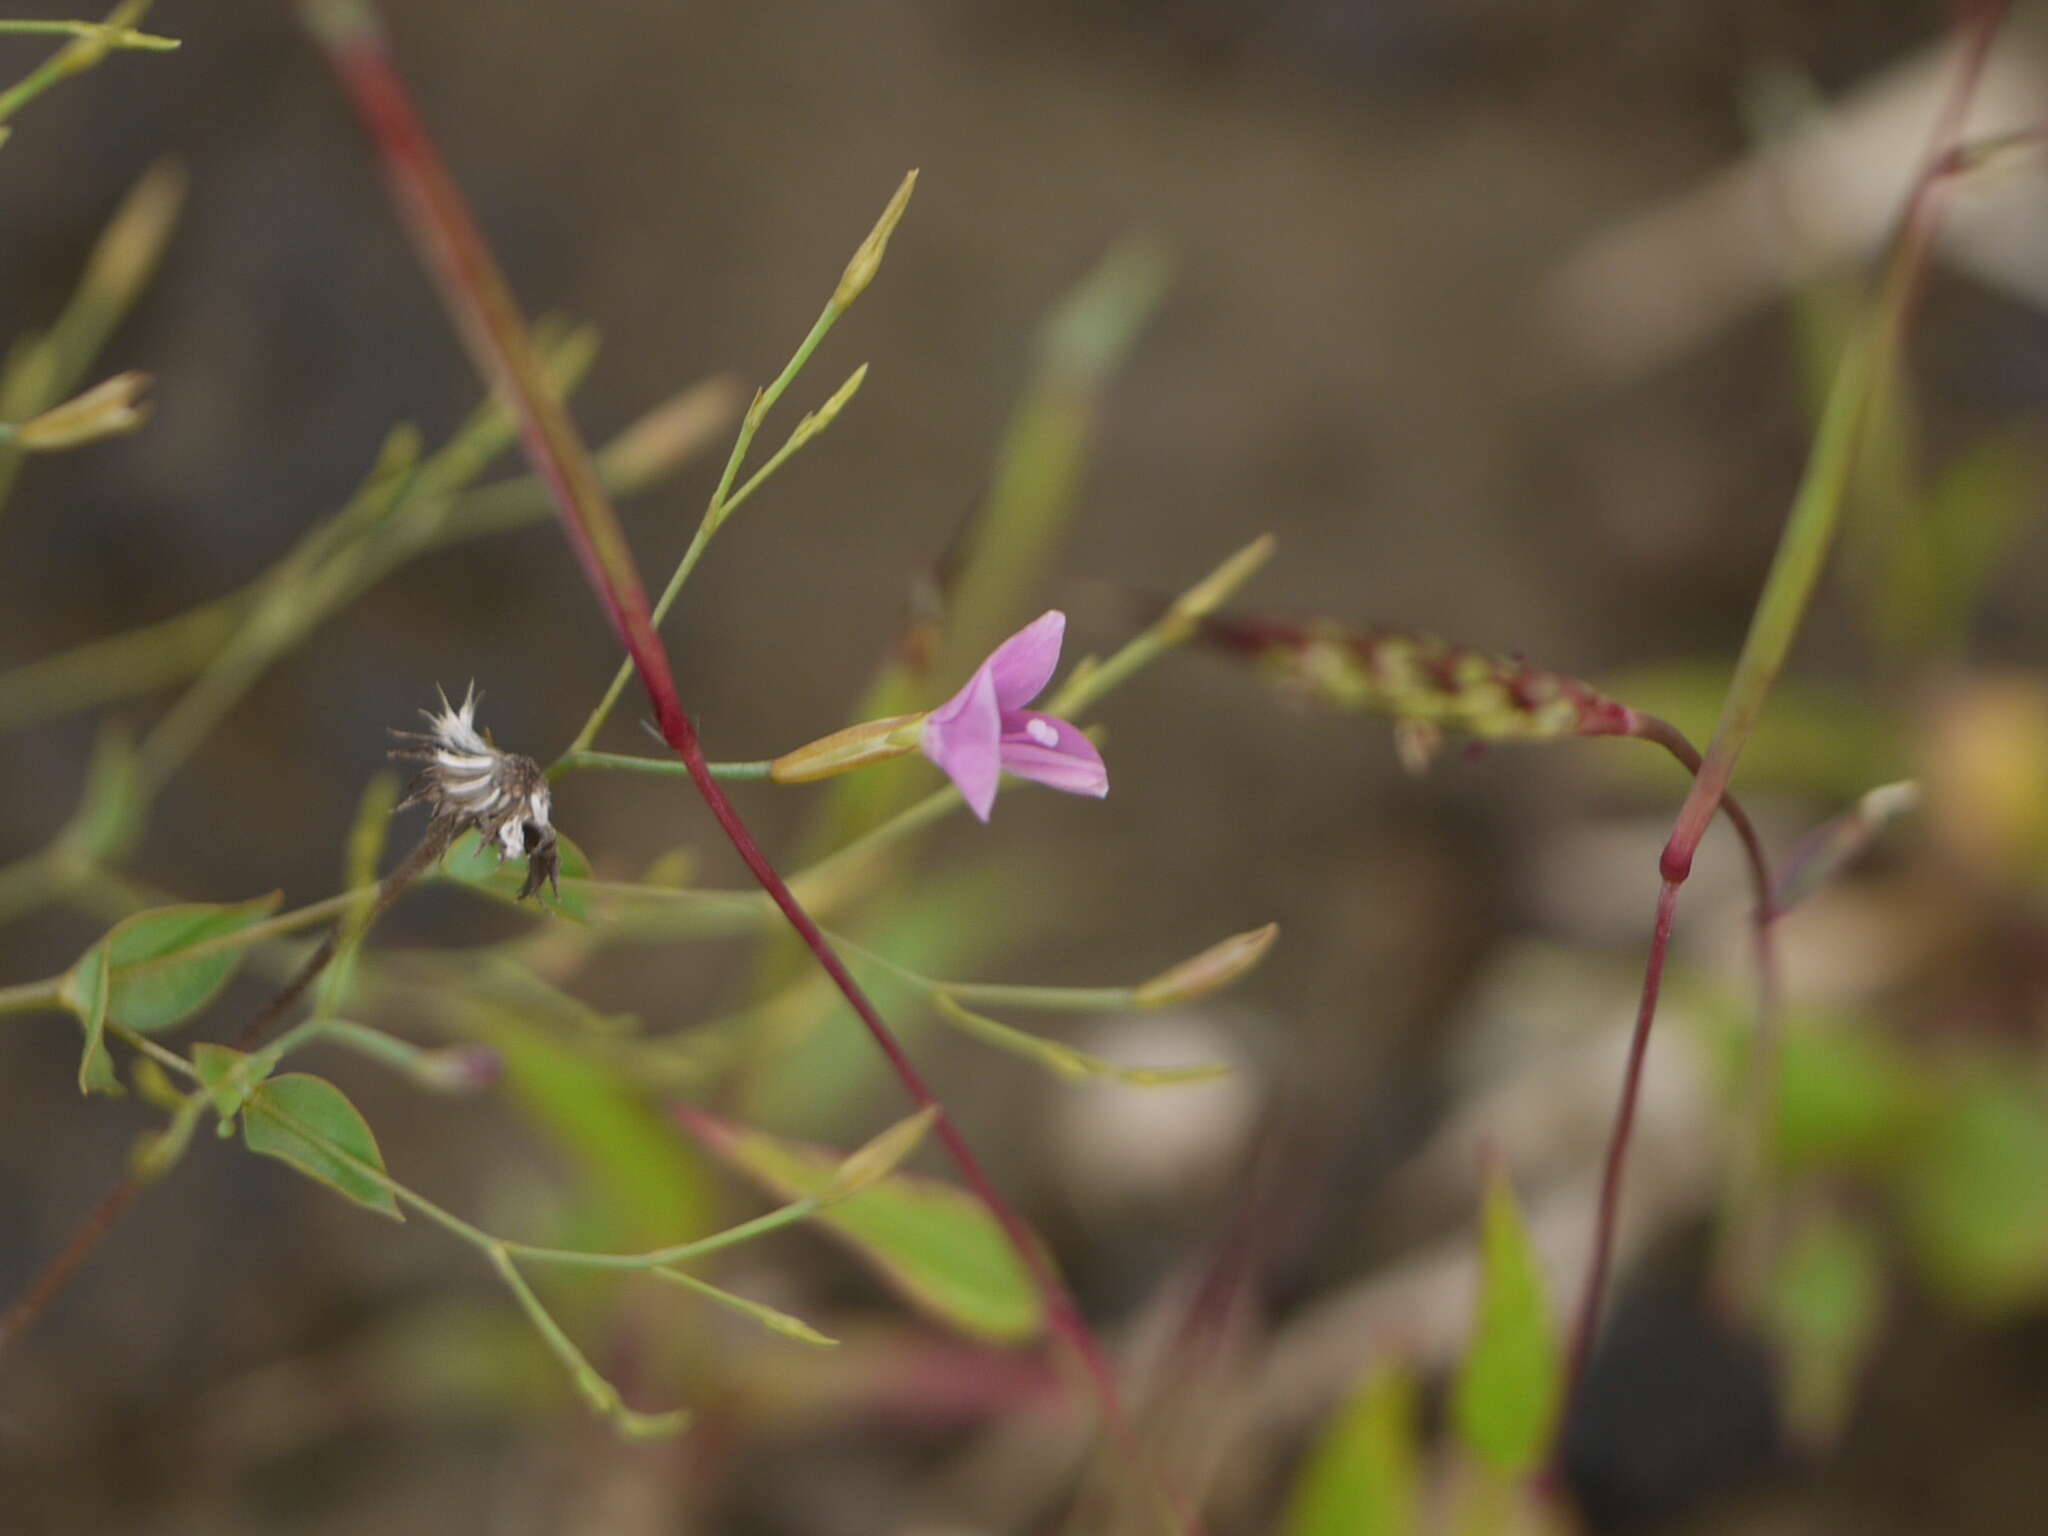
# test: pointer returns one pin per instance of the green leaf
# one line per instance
(1822, 1309)
(1508, 1393)
(932, 1242)
(85, 993)
(639, 1181)
(1364, 1476)
(145, 975)
(1975, 1194)
(1846, 1095)
(469, 863)
(308, 1122)
(135, 975)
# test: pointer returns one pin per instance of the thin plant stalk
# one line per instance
(88, 46)
(1871, 354)
(21, 1315)
(440, 222)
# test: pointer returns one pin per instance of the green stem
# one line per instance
(242, 938)
(998, 994)
(163, 1056)
(402, 1056)
(599, 1393)
(30, 884)
(662, 767)
(32, 996)
(1868, 361)
(721, 506)
(440, 512)
(449, 1222)
(86, 49)
(147, 42)
(766, 400)
(759, 1226)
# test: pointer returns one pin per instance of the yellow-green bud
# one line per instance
(105, 410)
(880, 1157)
(1213, 969)
(868, 259)
(874, 741)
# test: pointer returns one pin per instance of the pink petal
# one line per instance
(963, 736)
(1053, 753)
(1023, 664)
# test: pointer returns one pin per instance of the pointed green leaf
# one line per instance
(639, 1181)
(1508, 1392)
(932, 1242)
(158, 968)
(1364, 1478)
(1822, 1311)
(470, 863)
(308, 1122)
(85, 991)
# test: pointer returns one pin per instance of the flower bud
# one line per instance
(874, 741)
(878, 1158)
(106, 410)
(817, 421)
(1213, 969)
(1215, 589)
(459, 1069)
(868, 259)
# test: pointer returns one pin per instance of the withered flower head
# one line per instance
(467, 782)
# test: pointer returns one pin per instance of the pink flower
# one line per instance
(985, 728)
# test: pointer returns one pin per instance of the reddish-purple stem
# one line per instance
(19, 1317)
(489, 321)
(1904, 283)
(1588, 1320)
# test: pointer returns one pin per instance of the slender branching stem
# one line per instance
(32, 996)
(88, 46)
(1586, 1324)
(489, 321)
(22, 1314)
(722, 505)
(438, 836)
(660, 767)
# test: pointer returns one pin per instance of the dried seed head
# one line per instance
(466, 782)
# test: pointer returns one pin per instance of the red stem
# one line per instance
(22, 1315)
(1588, 1321)
(489, 321)
(1763, 1054)
(1904, 283)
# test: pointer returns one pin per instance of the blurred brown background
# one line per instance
(1366, 202)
